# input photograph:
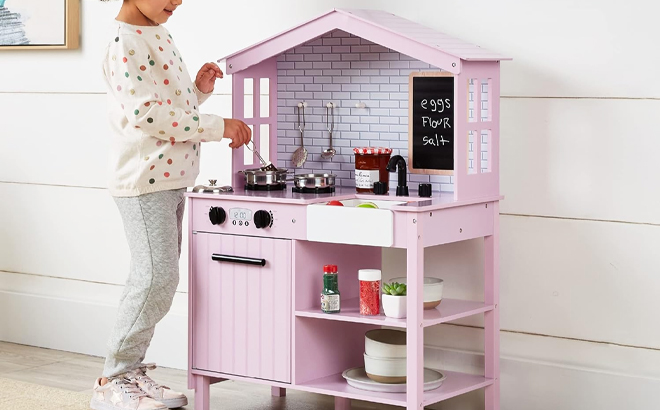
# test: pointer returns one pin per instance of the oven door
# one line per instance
(241, 305)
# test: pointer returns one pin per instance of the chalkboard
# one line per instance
(431, 123)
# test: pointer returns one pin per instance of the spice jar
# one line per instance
(330, 298)
(370, 167)
(369, 291)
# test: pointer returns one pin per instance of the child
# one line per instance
(157, 130)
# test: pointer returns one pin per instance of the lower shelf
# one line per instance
(449, 309)
(455, 385)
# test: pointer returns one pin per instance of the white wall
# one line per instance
(580, 222)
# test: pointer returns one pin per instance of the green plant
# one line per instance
(395, 289)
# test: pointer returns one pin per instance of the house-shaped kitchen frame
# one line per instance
(307, 349)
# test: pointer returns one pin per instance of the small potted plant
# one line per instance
(394, 300)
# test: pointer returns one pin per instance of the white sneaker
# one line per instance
(163, 394)
(122, 394)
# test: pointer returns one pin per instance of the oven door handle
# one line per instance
(238, 259)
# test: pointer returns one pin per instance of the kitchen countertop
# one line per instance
(414, 203)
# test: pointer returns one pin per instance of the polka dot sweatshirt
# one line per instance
(154, 113)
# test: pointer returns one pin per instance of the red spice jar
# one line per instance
(369, 291)
(370, 167)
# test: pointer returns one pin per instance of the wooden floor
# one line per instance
(76, 372)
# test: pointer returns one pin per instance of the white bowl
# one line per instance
(385, 343)
(385, 370)
(432, 290)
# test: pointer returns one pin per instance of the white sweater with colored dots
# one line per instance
(154, 113)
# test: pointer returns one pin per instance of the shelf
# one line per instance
(455, 384)
(449, 310)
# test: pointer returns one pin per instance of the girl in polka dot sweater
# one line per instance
(156, 134)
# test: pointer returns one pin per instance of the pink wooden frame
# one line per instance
(477, 185)
(474, 212)
(265, 69)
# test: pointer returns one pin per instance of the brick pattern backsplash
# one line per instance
(346, 70)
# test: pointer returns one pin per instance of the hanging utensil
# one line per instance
(300, 155)
(330, 123)
(267, 166)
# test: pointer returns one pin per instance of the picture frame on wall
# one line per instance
(39, 24)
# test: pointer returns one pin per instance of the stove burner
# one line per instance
(270, 187)
(320, 190)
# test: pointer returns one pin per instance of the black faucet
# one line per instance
(399, 164)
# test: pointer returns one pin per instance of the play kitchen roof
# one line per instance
(378, 26)
(461, 143)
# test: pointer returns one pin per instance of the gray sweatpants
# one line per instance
(152, 223)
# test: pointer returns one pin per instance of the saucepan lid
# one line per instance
(212, 188)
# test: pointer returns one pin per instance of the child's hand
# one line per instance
(205, 80)
(238, 132)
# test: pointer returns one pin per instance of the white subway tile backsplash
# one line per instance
(379, 128)
(350, 41)
(389, 88)
(341, 49)
(341, 64)
(377, 48)
(379, 64)
(380, 96)
(359, 80)
(399, 64)
(370, 72)
(360, 49)
(322, 49)
(380, 80)
(389, 104)
(346, 70)
(354, 87)
(360, 64)
(368, 57)
(331, 87)
(303, 50)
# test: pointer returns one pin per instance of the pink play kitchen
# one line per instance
(369, 132)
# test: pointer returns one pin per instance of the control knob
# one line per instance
(217, 215)
(262, 219)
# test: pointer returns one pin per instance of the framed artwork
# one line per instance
(39, 24)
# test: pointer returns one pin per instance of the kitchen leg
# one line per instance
(415, 318)
(202, 397)
(342, 403)
(492, 318)
(277, 391)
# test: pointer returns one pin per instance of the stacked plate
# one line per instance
(385, 364)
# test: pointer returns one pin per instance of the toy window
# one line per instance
(485, 150)
(264, 141)
(264, 99)
(472, 116)
(471, 160)
(248, 95)
(484, 100)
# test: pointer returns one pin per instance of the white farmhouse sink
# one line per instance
(351, 224)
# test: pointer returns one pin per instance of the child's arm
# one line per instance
(205, 81)
(148, 99)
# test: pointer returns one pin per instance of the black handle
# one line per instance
(238, 259)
